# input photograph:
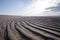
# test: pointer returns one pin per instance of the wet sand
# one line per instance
(29, 28)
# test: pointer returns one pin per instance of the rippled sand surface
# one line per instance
(29, 28)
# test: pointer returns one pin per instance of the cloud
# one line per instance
(53, 11)
(54, 8)
(30, 7)
(38, 6)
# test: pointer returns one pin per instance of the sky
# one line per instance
(30, 7)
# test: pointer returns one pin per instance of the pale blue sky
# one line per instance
(12, 6)
(30, 7)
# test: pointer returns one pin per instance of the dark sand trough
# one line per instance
(29, 28)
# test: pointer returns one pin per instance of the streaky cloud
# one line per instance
(54, 8)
